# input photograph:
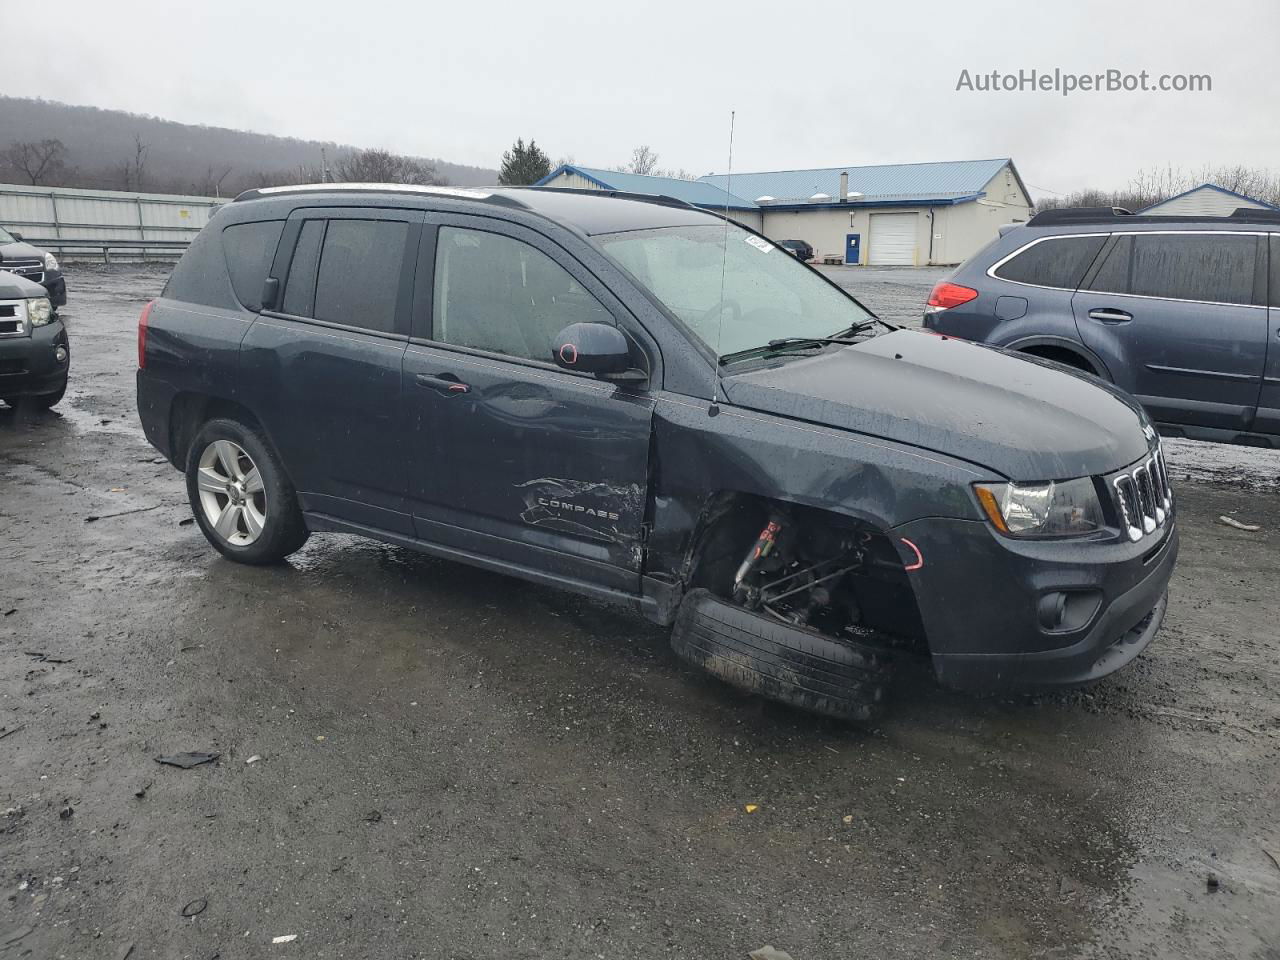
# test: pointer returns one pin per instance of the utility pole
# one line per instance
(324, 166)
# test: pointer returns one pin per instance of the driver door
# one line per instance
(515, 458)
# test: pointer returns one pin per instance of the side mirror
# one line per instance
(15, 235)
(270, 293)
(597, 348)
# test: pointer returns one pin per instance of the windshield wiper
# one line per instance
(865, 324)
(783, 344)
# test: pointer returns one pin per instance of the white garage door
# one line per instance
(893, 239)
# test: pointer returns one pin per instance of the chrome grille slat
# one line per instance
(1143, 496)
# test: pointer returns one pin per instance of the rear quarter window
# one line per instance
(249, 249)
(200, 277)
(1053, 262)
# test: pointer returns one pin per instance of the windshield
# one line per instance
(6, 236)
(768, 294)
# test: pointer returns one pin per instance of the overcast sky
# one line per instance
(813, 84)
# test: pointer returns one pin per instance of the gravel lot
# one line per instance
(454, 764)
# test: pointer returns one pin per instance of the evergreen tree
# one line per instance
(523, 165)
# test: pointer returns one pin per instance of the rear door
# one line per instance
(1181, 322)
(1268, 419)
(518, 459)
(323, 367)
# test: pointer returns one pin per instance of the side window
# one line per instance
(358, 281)
(1114, 272)
(1056, 262)
(1275, 270)
(500, 294)
(300, 288)
(249, 249)
(1184, 266)
(1209, 267)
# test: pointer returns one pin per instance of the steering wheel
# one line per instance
(717, 311)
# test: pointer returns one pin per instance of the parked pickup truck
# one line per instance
(640, 401)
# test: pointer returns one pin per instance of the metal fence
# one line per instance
(101, 223)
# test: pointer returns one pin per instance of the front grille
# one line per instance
(1143, 496)
(32, 269)
(13, 319)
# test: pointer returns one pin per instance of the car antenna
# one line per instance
(714, 409)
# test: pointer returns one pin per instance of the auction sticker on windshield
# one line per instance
(760, 243)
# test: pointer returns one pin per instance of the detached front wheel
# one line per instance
(241, 496)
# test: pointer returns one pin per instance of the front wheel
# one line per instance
(241, 495)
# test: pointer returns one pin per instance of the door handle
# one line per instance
(448, 384)
(1107, 315)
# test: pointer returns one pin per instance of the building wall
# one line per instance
(957, 231)
(825, 230)
(748, 218)
(573, 181)
(1201, 202)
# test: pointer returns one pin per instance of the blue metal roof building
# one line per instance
(896, 183)
(889, 214)
(700, 193)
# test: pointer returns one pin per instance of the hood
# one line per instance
(14, 287)
(20, 250)
(1025, 419)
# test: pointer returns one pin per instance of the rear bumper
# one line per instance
(979, 598)
(29, 365)
(155, 401)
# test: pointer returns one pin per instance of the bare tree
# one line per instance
(643, 160)
(211, 183)
(131, 170)
(383, 166)
(1150, 186)
(676, 174)
(39, 161)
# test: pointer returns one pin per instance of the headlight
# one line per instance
(50, 262)
(1056, 509)
(39, 311)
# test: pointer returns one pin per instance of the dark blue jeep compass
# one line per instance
(647, 403)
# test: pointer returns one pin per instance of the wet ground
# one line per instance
(454, 764)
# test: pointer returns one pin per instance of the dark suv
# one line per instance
(21, 258)
(643, 402)
(35, 355)
(1182, 313)
(797, 248)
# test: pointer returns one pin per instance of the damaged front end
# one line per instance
(813, 614)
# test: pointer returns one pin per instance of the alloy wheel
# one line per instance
(232, 495)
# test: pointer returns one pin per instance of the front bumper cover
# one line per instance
(978, 595)
(29, 365)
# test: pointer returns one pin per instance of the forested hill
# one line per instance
(115, 150)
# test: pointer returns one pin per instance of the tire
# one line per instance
(241, 496)
(793, 665)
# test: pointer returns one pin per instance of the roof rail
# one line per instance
(1077, 215)
(1256, 215)
(462, 193)
(659, 198)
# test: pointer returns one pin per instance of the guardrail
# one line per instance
(134, 249)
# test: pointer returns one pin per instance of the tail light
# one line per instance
(946, 295)
(142, 334)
